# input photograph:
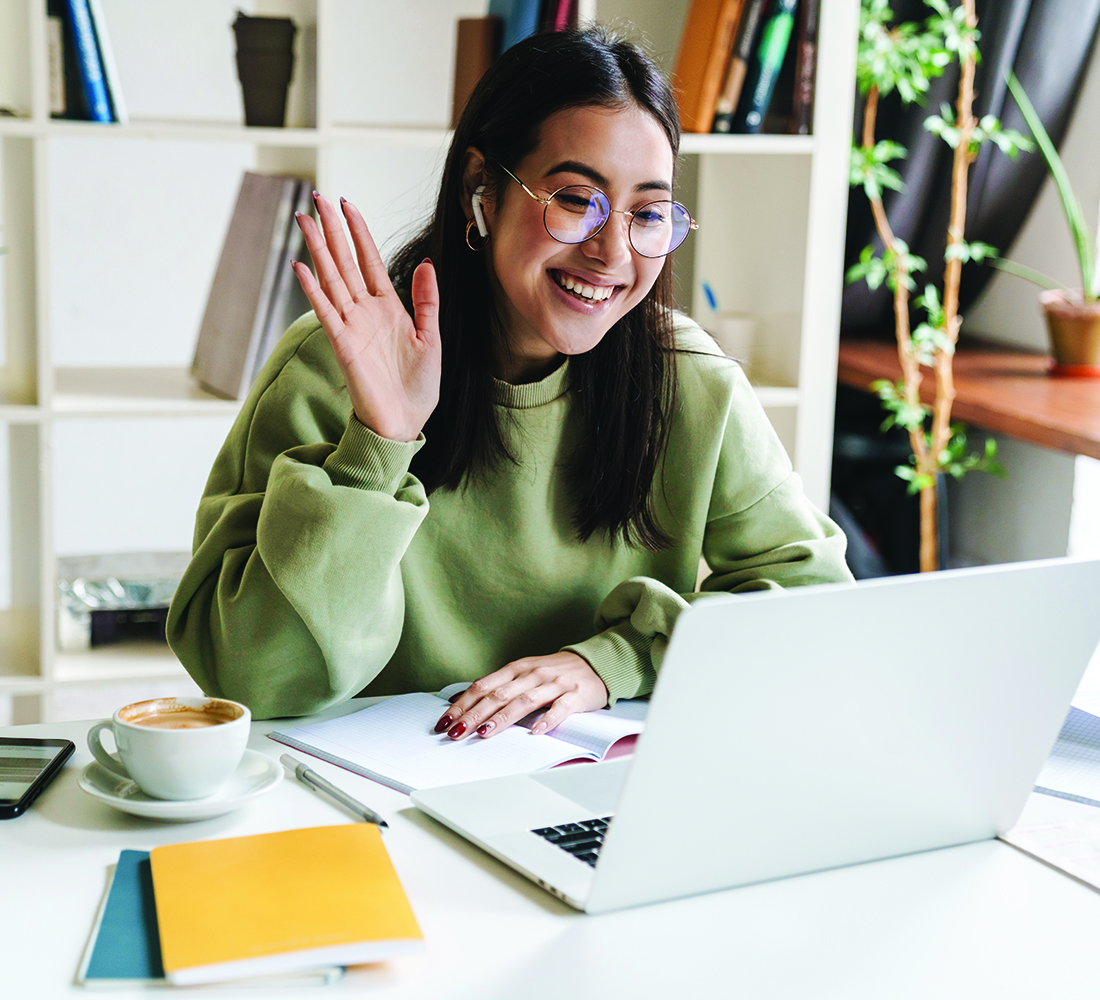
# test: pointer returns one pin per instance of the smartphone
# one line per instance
(27, 766)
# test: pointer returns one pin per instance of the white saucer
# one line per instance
(255, 775)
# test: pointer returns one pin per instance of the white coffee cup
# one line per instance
(175, 748)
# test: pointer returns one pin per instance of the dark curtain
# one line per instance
(1047, 43)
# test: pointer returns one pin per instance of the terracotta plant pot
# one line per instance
(1074, 327)
(265, 62)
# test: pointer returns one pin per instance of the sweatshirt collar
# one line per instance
(530, 394)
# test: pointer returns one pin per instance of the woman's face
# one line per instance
(627, 155)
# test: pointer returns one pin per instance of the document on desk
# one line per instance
(394, 742)
(1071, 845)
(1072, 771)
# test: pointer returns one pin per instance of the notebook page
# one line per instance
(393, 742)
(1072, 771)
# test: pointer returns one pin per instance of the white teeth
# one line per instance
(585, 291)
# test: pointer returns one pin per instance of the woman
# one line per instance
(508, 475)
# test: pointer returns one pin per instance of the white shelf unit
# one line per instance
(112, 235)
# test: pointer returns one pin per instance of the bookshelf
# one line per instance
(113, 233)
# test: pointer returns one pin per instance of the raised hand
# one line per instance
(390, 360)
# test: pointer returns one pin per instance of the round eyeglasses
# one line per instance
(577, 212)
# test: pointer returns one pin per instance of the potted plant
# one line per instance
(904, 57)
(1072, 315)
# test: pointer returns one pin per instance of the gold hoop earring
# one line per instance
(484, 242)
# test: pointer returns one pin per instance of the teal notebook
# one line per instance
(124, 949)
(125, 944)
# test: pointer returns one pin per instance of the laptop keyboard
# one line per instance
(583, 840)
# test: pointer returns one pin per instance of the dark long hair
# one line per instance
(624, 388)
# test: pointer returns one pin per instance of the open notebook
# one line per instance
(394, 742)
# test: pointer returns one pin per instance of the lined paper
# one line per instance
(393, 742)
(1072, 770)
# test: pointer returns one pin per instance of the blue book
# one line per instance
(126, 942)
(92, 81)
(520, 18)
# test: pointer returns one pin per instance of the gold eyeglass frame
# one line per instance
(692, 224)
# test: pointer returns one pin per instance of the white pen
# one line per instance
(314, 780)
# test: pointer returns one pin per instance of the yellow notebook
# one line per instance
(277, 902)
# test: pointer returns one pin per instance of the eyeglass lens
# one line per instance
(575, 214)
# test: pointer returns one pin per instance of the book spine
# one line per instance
(708, 38)
(805, 68)
(56, 50)
(477, 42)
(738, 67)
(774, 39)
(91, 69)
(107, 58)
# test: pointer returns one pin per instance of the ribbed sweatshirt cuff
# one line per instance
(621, 657)
(366, 461)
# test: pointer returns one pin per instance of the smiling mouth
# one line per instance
(582, 291)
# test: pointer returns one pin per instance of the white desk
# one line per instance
(970, 922)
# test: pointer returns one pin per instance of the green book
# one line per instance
(756, 96)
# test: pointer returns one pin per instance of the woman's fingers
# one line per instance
(425, 299)
(321, 306)
(338, 246)
(328, 276)
(370, 260)
(564, 681)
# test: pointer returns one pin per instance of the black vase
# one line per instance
(265, 64)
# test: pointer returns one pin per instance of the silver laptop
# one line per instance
(795, 731)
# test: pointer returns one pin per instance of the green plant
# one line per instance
(905, 58)
(1083, 241)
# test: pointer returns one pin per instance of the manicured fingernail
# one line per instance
(427, 260)
(343, 200)
(458, 731)
(443, 724)
(316, 196)
(538, 727)
(484, 728)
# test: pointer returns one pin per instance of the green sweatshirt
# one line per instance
(321, 570)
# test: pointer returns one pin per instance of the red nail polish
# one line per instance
(457, 731)
(315, 196)
(443, 724)
(427, 260)
(484, 728)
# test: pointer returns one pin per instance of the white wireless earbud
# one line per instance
(479, 218)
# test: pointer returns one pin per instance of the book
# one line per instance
(705, 45)
(477, 42)
(805, 68)
(279, 902)
(737, 67)
(90, 68)
(771, 51)
(247, 304)
(55, 52)
(519, 18)
(394, 742)
(124, 946)
(557, 15)
(107, 60)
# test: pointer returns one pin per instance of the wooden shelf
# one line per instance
(1002, 390)
(131, 392)
(698, 142)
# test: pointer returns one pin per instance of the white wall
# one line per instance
(1008, 309)
(1050, 505)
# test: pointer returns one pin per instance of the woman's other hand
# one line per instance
(564, 681)
(391, 363)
